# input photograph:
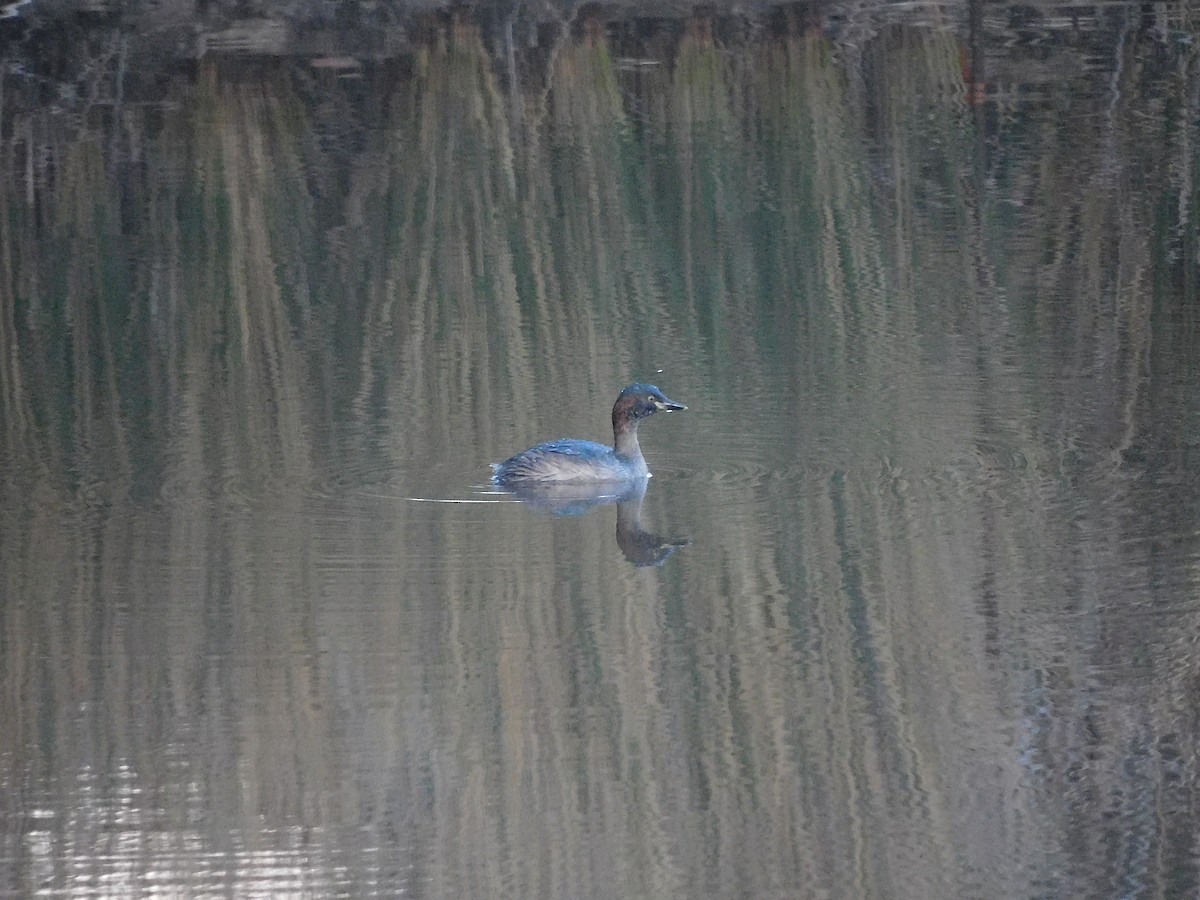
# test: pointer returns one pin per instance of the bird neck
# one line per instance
(625, 441)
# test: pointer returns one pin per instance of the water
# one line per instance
(909, 608)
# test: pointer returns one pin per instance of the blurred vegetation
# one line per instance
(222, 275)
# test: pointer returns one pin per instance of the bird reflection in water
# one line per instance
(639, 546)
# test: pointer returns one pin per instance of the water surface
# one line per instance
(909, 608)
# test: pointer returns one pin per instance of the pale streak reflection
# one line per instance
(125, 849)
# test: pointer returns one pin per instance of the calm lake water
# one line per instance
(910, 609)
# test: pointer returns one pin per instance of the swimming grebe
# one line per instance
(572, 460)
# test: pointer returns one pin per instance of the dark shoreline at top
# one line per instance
(53, 53)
